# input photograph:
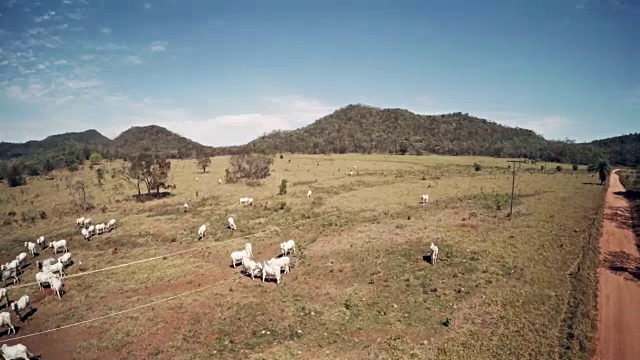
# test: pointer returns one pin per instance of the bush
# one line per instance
(281, 157)
(254, 166)
(541, 167)
(477, 167)
(95, 159)
(574, 167)
(283, 187)
(558, 168)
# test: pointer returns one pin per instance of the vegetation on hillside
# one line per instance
(352, 129)
(621, 150)
(366, 129)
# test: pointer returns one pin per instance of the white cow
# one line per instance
(100, 228)
(185, 207)
(80, 221)
(219, 181)
(202, 231)
(56, 285)
(55, 245)
(309, 193)
(249, 249)
(91, 230)
(246, 201)
(87, 222)
(40, 242)
(250, 266)
(424, 199)
(350, 173)
(4, 296)
(21, 258)
(272, 271)
(85, 233)
(231, 223)
(111, 224)
(15, 352)
(5, 319)
(281, 262)
(43, 278)
(288, 246)
(434, 253)
(65, 259)
(32, 247)
(20, 305)
(238, 256)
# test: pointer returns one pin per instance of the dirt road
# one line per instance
(619, 284)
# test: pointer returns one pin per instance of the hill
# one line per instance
(621, 150)
(366, 129)
(91, 139)
(158, 140)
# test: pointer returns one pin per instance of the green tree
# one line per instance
(15, 175)
(203, 161)
(100, 175)
(603, 169)
(95, 158)
(251, 167)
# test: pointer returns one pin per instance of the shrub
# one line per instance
(541, 167)
(254, 166)
(477, 167)
(283, 187)
(574, 167)
(558, 168)
(95, 158)
(281, 157)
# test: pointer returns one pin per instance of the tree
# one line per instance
(283, 187)
(203, 161)
(15, 177)
(95, 158)
(80, 191)
(48, 166)
(252, 167)
(603, 169)
(100, 175)
(148, 169)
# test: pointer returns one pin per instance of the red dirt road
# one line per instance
(618, 290)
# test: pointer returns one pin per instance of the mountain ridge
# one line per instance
(355, 128)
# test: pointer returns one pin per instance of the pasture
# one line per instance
(360, 286)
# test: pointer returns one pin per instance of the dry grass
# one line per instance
(360, 287)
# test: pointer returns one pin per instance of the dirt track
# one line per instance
(619, 281)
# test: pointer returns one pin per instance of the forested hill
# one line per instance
(366, 129)
(157, 140)
(621, 150)
(89, 138)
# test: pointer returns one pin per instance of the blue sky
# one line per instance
(224, 72)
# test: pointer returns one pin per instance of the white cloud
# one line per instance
(63, 26)
(61, 62)
(158, 46)
(105, 30)
(136, 60)
(147, 6)
(87, 57)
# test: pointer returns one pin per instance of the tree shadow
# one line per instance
(623, 263)
(633, 196)
(591, 183)
(620, 216)
(142, 198)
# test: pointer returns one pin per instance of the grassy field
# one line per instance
(360, 287)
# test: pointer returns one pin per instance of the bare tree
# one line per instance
(80, 192)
